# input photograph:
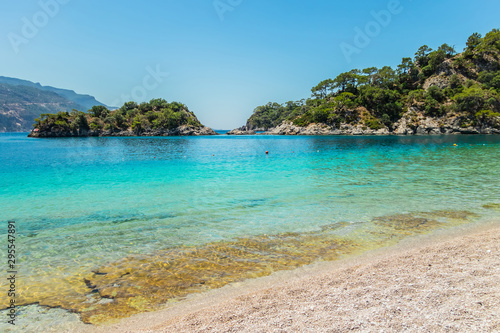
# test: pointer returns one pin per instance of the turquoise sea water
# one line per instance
(80, 203)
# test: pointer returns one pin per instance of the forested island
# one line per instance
(155, 118)
(435, 92)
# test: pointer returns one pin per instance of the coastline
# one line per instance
(438, 282)
(429, 127)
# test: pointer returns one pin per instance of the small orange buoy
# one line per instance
(267, 153)
(455, 144)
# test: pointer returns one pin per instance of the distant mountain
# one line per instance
(20, 105)
(86, 101)
(22, 101)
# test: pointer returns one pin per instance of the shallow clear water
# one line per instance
(82, 203)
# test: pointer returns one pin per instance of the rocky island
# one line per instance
(435, 92)
(155, 118)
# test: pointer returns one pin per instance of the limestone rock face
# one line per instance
(413, 122)
(288, 128)
(441, 81)
(241, 131)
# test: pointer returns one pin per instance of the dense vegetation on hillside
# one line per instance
(20, 105)
(438, 83)
(157, 114)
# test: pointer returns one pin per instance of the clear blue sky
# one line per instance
(221, 63)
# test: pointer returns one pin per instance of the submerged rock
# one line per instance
(406, 223)
(493, 206)
(452, 214)
(144, 282)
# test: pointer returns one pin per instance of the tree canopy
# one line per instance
(158, 114)
(375, 97)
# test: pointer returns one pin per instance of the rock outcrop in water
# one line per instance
(156, 118)
(241, 131)
(413, 122)
(436, 92)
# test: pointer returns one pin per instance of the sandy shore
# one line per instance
(441, 283)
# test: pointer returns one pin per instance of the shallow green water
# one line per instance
(83, 204)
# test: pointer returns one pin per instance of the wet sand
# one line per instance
(445, 282)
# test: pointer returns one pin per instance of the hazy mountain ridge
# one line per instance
(22, 101)
(87, 101)
(20, 105)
